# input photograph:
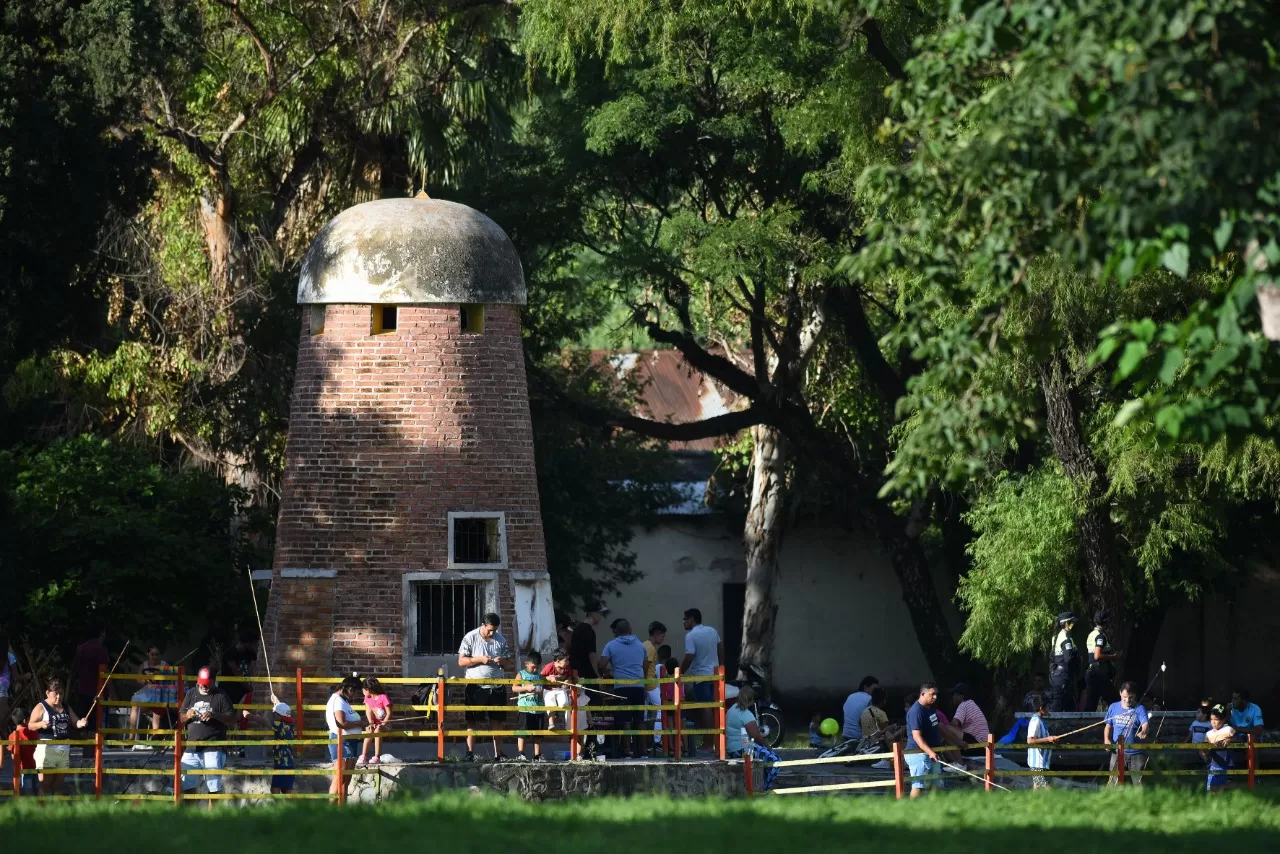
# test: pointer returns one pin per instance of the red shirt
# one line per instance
(26, 756)
(89, 655)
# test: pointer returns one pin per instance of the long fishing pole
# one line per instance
(984, 780)
(1107, 719)
(107, 681)
(262, 638)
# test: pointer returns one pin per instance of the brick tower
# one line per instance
(409, 506)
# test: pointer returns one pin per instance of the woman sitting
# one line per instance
(742, 734)
(158, 696)
(878, 735)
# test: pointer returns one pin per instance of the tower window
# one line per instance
(444, 612)
(384, 319)
(477, 540)
(472, 319)
(317, 319)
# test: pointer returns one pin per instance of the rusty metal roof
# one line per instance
(672, 391)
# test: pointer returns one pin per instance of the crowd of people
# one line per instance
(639, 665)
(207, 711)
(926, 728)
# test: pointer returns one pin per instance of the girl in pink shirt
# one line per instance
(377, 708)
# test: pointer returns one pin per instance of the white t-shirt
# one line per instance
(338, 703)
(1037, 757)
(701, 642)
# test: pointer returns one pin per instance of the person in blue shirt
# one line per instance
(924, 734)
(1127, 721)
(623, 658)
(1246, 717)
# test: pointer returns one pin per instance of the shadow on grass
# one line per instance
(1129, 822)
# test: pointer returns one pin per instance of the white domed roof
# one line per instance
(405, 251)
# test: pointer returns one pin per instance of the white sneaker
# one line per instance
(882, 765)
(520, 757)
(361, 762)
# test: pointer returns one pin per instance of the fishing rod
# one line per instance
(946, 764)
(1107, 719)
(107, 681)
(262, 638)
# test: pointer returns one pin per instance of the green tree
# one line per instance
(709, 150)
(1074, 170)
(97, 530)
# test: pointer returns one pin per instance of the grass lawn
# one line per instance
(1132, 822)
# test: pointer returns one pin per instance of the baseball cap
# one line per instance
(962, 689)
(204, 677)
(1066, 617)
(282, 709)
(595, 606)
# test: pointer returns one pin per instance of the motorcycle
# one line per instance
(768, 715)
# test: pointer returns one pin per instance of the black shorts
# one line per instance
(533, 721)
(486, 695)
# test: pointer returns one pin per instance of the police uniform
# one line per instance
(1099, 678)
(1064, 666)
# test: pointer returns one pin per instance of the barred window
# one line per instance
(445, 611)
(476, 540)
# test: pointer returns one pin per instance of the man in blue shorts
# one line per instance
(924, 734)
(703, 653)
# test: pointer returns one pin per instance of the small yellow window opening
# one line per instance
(472, 318)
(384, 319)
(317, 319)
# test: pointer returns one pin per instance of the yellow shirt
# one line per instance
(650, 666)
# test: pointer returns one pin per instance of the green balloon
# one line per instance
(829, 727)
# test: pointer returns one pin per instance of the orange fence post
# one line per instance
(573, 716)
(1120, 761)
(746, 770)
(897, 770)
(440, 705)
(721, 715)
(298, 691)
(17, 769)
(177, 763)
(1253, 760)
(989, 775)
(97, 764)
(340, 768)
(679, 715)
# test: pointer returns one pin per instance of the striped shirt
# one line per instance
(972, 721)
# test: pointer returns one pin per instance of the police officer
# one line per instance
(1064, 667)
(1100, 677)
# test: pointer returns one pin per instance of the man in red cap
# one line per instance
(206, 712)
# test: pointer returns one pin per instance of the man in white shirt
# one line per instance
(703, 653)
(485, 655)
(339, 715)
(855, 705)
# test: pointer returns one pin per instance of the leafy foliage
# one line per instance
(96, 530)
(1121, 136)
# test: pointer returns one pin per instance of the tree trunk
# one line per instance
(762, 540)
(1095, 532)
(901, 539)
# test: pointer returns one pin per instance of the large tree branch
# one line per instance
(689, 431)
(717, 367)
(846, 303)
(268, 61)
(880, 51)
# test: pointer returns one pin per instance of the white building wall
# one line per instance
(840, 609)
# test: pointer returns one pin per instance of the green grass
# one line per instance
(1132, 822)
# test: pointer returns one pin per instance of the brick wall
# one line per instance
(387, 435)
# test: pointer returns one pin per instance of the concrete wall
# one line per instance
(1218, 644)
(840, 609)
